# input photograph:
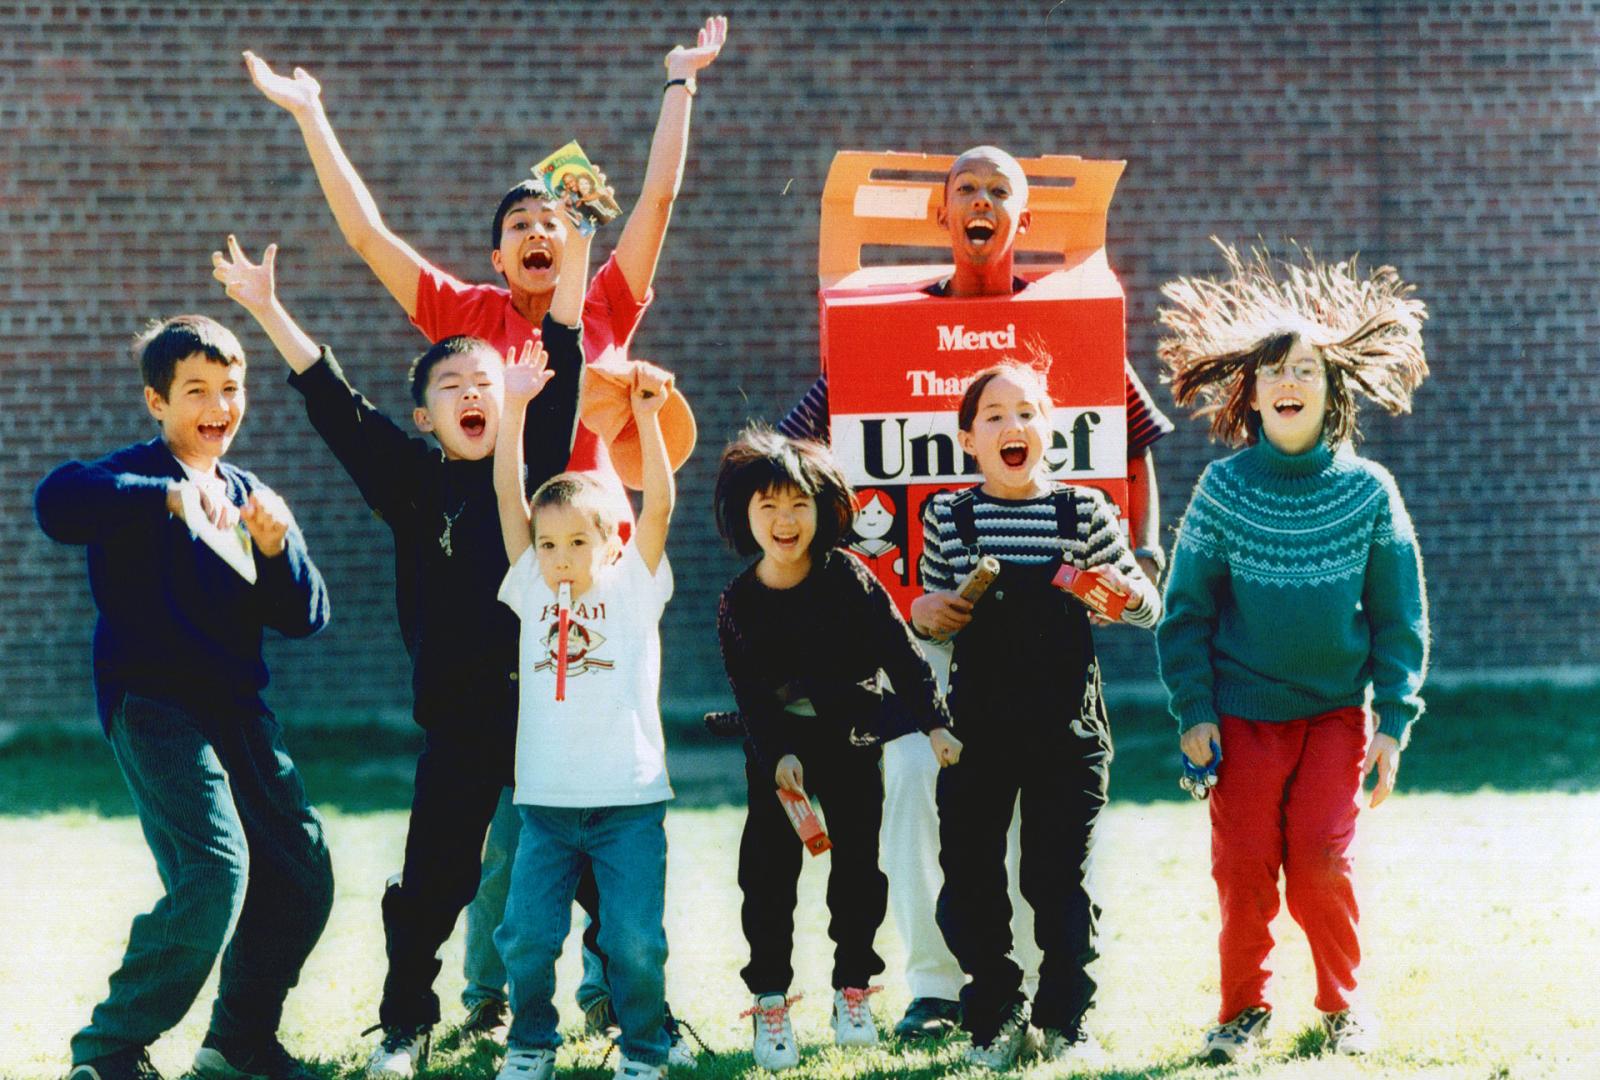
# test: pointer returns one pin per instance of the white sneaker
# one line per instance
(679, 1053)
(1240, 1038)
(852, 1017)
(528, 1065)
(400, 1054)
(773, 1044)
(1015, 1041)
(1079, 1048)
(1348, 1032)
(628, 1069)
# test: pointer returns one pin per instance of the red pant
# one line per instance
(1286, 796)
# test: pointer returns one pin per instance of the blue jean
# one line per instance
(484, 970)
(627, 848)
(238, 849)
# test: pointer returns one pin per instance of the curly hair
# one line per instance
(1367, 330)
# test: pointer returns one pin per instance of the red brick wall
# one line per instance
(1456, 140)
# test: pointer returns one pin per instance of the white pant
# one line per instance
(909, 854)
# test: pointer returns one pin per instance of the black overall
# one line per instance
(1025, 695)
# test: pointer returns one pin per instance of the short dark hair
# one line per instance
(583, 493)
(527, 189)
(760, 459)
(994, 154)
(164, 342)
(442, 349)
(967, 412)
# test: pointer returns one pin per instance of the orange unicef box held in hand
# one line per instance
(805, 822)
(1095, 591)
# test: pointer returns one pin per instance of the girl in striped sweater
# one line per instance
(1296, 597)
(1025, 697)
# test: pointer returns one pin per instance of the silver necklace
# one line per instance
(449, 522)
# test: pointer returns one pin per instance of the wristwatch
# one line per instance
(1155, 555)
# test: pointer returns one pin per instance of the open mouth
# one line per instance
(537, 258)
(1288, 407)
(1014, 453)
(980, 232)
(215, 430)
(473, 422)
(786, 541)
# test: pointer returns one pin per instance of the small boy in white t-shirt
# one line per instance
(591, 772)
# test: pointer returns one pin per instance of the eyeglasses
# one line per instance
(1305, 371)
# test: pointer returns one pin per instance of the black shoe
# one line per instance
(221, 1058)
(130, 1064)
(488, 1019)
(929, 1018)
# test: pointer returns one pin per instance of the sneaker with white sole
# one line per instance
(1075, 1047)
(132, 1063)
(772, 1040)
(852, 1017)
(222, 1058)
(528, 1065)
(1348, 1032)
(488, 1019)
(1016, 1040)
(400, 1054)
(1238, 1039)
(628, 1069)
(679, 1053)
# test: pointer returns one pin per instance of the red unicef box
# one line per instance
(804, 820)
(898, 359)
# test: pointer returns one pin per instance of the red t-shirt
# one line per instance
(447, 305)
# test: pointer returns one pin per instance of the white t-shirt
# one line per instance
(603, 745)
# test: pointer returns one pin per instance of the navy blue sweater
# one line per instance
(177, 624)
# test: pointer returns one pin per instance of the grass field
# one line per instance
(1480, 894)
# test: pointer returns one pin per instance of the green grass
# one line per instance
(1480, 890)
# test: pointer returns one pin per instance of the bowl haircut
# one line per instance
(761, 460)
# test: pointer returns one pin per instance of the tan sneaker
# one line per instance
(1348, 1032)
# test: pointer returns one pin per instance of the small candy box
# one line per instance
(1098, 594)
(805, 822)
(569, 175)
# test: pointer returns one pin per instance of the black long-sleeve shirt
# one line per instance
(176, 623)
(449, 555)
(821, 639)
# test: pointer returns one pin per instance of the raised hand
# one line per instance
(266, 516)
(297, 94)
(526, 373)
(650, 387)
(682, 63)
(251, 284)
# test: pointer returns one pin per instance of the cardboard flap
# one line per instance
(890, 199)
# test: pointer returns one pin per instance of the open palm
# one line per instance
(300, 92)
(251, 284)
(683, 62)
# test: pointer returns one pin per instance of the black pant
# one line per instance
(848, 781)
(1060, 770)
(458, 786)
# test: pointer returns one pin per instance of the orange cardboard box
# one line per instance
(898, 359)
(804, 820)
(1096, 592)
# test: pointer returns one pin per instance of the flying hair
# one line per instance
(1366, 328)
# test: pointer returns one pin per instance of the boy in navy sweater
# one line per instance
(189, 559)
(439, 501)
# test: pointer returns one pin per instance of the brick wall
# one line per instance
(1456, 140)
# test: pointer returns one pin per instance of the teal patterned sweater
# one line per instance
(1296, 585)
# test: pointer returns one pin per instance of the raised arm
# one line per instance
(526, 375)
(253, 286)
(395, 262)
(650, 387)
(639, 247)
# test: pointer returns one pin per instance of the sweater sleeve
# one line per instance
(1396, 601)
(763, 719)
(809, 419)
(291, 595)
(373, 449)
(1106, 543)
(1196, 587)
(82, 503)
(552, 421)
(896, 650)
(933, 569)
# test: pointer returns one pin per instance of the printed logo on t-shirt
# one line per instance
(582, 641)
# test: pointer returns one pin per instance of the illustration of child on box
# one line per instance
(870, 534)
(1026, 699)
(1296, 597)
(806, 631)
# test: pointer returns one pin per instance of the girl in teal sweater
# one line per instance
(1296, 597)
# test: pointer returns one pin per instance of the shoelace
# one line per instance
(396, 1038)
(672, 1025)
(773, 1015)
(855, 1002)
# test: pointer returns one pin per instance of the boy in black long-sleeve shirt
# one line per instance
(189, 559)
(439, 501)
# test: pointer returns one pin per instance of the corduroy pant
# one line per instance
(1286, 799)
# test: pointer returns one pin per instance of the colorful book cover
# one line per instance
(569, 175)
